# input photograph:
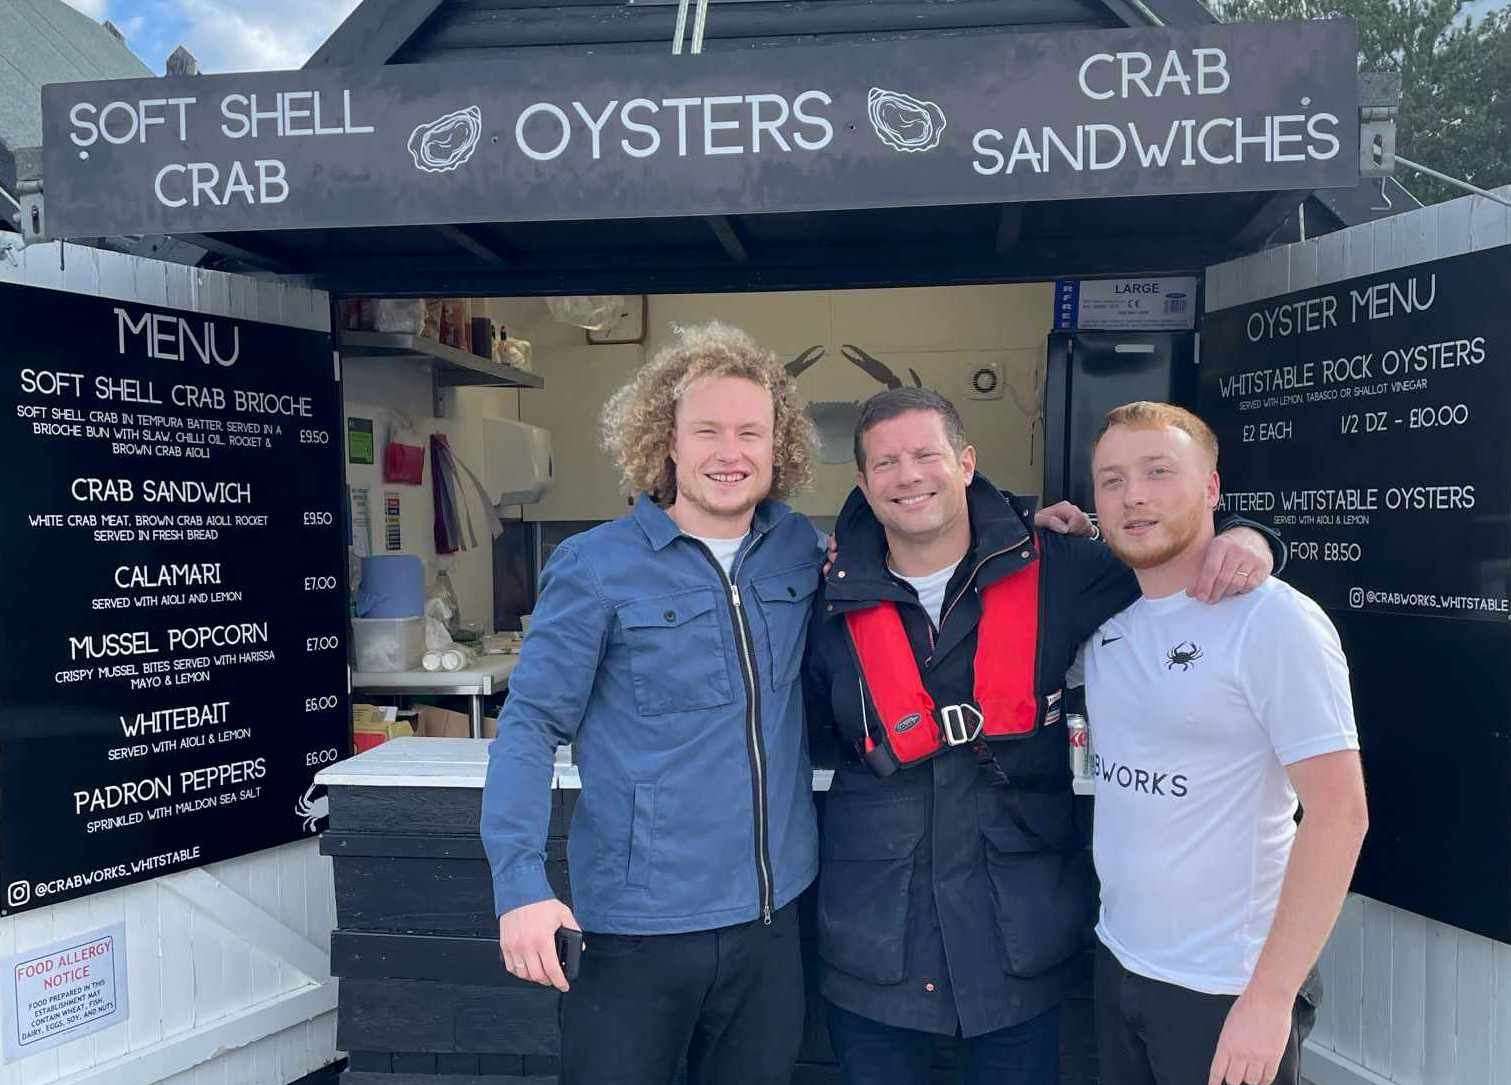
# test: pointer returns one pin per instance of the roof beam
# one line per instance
(724, 229)
(1009, 226)
(373, 33)
(1180, 12)
(814, 267)
(1271, 213)
(463, 238)
(231, 251)
(1129, 12)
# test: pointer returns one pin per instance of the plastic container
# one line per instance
(388, 644)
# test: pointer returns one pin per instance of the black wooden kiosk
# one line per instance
(490, 147)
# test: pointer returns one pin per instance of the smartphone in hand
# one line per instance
(569, 951)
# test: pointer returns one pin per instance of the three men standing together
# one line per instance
(955, 892)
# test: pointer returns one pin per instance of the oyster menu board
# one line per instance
(1365, 420)
(174, 629)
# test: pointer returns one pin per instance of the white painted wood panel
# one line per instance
(1348, 1011)
(1407, 1001)
(1375, 1015)
(194, 945)
(228, 966)
(1408, 997)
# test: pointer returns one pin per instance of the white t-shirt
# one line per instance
(724, 550)
(1195, 711)
(930, 588)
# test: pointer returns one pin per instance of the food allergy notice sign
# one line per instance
(1366, 421)
(174, 667)
(56, 994)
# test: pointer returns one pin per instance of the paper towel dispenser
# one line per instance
(516, 461)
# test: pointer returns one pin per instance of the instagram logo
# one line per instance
(1356, 598)
(17, 894)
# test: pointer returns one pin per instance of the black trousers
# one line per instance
(871, 1053)
(729, 1001)
(1153, 1033)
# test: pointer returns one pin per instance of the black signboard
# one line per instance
(985, 118)
(174, 667)
(1361, 419)
(1366, 421)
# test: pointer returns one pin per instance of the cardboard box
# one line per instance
(444, 723)
(373, 725)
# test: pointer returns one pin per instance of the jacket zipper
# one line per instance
(754, 745)
(972, 578)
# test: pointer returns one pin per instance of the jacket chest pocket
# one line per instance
(678, 662)
(785, 599)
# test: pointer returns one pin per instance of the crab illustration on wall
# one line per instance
(835, 419)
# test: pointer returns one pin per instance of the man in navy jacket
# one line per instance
(956, 892)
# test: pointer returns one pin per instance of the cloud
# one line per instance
(255, 35)
(95, 9)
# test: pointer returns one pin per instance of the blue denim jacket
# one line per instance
(682, 694)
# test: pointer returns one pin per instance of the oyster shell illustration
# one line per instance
(903, 122)
(446, 142)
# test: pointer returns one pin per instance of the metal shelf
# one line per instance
(449, 367)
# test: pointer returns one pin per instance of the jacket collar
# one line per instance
(860, 573)
(661, 530)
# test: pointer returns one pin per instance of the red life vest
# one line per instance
(912, 728)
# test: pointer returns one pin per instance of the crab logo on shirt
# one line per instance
(1184, 655)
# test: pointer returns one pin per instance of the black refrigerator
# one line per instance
(1090, 372)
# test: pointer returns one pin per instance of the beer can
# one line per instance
(1080, 745)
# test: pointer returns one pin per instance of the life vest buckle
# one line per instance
(958, 730)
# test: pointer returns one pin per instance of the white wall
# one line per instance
(942, 333)
(375, 388)
(1407, 999)
(228, 966)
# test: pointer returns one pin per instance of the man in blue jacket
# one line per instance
(956, 894)
(667, 645)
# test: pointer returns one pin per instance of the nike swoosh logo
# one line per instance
(1108, 640)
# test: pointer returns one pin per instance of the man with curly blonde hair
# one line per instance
(667, 645)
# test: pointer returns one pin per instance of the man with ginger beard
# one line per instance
(1208, 723)
(955, 896)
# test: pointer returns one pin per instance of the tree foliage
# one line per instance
(1455, 77)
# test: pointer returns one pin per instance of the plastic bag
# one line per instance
(443, 592)
(404, 453)
(438, 619)
(515, 352)
(405, 316)
(596, 313)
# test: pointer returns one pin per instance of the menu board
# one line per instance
(173, 639)
(1365, 420)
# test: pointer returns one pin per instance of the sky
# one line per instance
(225, 35)
(257, 35)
